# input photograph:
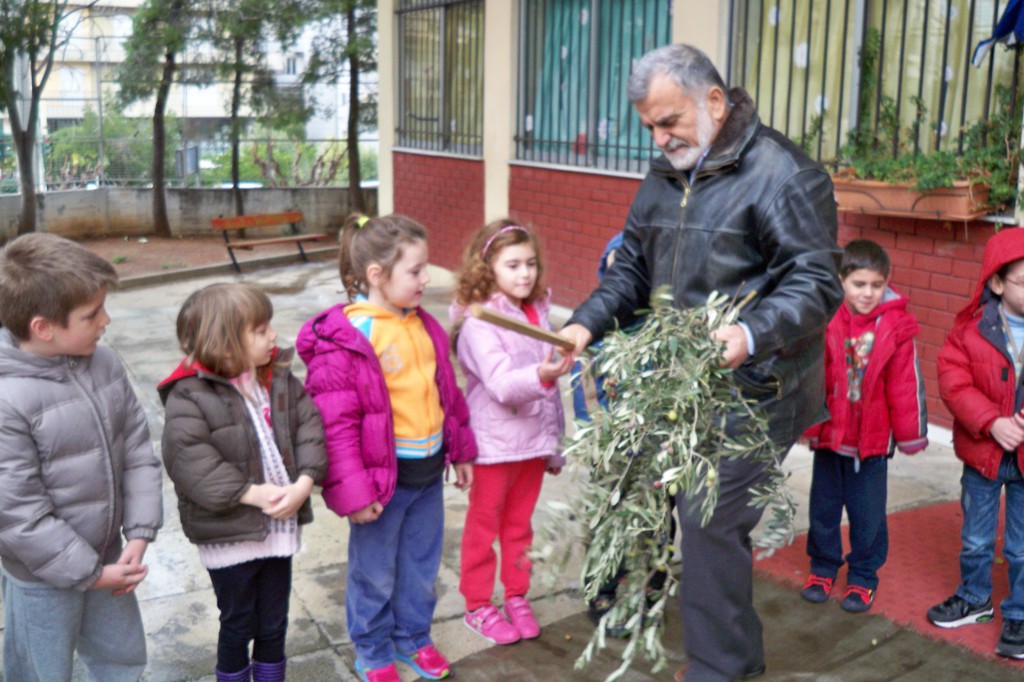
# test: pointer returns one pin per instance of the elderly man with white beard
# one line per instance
(731, 206)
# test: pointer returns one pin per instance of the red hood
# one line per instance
(1005, 246)
(187, 369)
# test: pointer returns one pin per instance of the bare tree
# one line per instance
(161, 30)
(238, 29)
(32, 32)
(347, 43)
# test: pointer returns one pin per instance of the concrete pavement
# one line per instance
(803, 642)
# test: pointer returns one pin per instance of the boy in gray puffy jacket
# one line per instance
(77, 471)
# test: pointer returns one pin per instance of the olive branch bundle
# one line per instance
(662, 433)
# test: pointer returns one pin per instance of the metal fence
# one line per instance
(575, 58)
(799, 59)
(86, 141)
(440, 75)
(73, 159)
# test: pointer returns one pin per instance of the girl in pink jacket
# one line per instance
(516, 413)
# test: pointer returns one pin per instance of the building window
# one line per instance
(71, 82)
(55, 124)
(575, 57)
(440, 75)
(798, 59)
(291, 65)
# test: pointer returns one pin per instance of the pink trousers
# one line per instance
(501, 504)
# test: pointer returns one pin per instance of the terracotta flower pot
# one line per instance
(965, 200)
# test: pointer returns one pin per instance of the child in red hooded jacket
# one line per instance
(875, 394)
(980, 382)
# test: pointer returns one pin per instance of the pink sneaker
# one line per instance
(519, 613)
(427, 662)
(388, 673)
(488, 622)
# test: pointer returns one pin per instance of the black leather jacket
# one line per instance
(759, 216)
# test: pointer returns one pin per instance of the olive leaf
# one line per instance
(662, 433)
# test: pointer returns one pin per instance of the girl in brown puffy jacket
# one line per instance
(244, 445)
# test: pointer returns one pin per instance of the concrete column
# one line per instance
(500, 64)
(703, 24)
(387, 68)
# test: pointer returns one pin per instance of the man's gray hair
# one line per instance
(689, 68)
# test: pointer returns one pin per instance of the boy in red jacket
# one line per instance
(875, 394)
(980, 383)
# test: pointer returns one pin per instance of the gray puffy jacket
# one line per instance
(76, 466)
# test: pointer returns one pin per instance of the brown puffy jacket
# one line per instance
(212, 454)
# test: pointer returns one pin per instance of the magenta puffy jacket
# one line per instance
(346, 382)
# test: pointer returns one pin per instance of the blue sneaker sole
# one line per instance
(409, 661)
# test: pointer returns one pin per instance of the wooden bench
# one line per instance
(292, 219)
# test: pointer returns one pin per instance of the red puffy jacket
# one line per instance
(977, 383)
(892, 400)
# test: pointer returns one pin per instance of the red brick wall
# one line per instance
(446, 195)
(936, 264)
(575, 214)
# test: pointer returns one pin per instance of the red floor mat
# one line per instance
(922, 570)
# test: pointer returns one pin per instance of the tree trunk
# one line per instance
(236, 129)
(24, 137)
(161, 223)
(355, 192)
(24, 142)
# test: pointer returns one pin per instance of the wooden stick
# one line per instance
(487, 315)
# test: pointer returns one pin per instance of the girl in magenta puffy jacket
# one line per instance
(394, 418)
(516, 414)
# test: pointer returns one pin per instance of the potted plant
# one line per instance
(882, 175)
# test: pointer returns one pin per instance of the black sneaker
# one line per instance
(817, 588)
(1011, 641)
(751, 673)
(857, 599)
(956, 611)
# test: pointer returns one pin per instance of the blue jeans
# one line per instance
(979, 500)
(392, 567)
(253, 602)
(836, 483)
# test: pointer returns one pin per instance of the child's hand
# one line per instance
(133, 552)
(463, 475)
(132, 556)
(551, 369)
(285, 505)
(262, 495)
(1008, 432)
(367, 514)
(120, 578)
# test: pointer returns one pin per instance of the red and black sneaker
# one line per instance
(817, 588)
(857, 599)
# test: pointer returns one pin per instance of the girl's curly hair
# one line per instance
(476, 282)
(364, 241)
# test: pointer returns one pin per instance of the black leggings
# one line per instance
(253, 602)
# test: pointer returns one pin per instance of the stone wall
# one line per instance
(122, 210)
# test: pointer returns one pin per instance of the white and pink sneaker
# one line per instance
(519, 613)
(488, 622)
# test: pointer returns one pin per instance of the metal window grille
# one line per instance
(575, 57)
(440, 75)
(799, 61)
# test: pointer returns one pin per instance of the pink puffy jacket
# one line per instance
(513, 415)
